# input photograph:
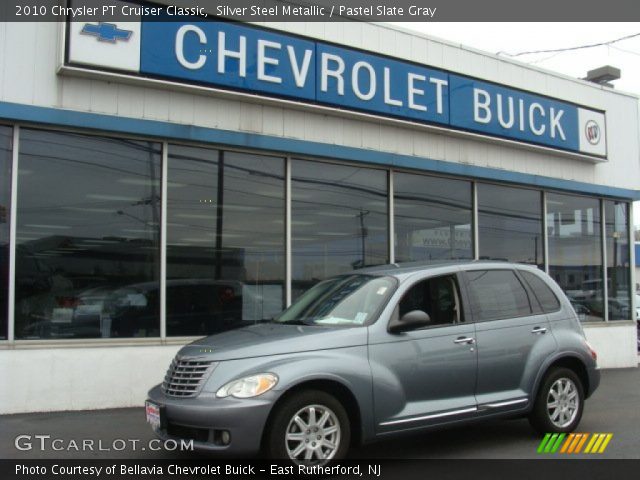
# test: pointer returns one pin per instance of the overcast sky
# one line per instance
(514, 38)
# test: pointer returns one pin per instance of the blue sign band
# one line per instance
(244, 58)
(504, 112)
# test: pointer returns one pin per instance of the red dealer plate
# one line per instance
(153, 414)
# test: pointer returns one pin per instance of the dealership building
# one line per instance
(160, 181)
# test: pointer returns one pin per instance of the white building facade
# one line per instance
(161, 181)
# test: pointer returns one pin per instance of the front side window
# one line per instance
(497, 294)
(5, 200)
(87, 237)
(348, 300)
(438, 297)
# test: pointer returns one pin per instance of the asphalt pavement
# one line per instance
(123, 433)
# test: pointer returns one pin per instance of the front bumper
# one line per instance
(204, 417)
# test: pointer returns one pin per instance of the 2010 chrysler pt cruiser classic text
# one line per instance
(381, 351)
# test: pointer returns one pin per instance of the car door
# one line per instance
(513, 338)
(425, 376)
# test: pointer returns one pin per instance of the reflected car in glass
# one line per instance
(378, 352)
(195, 306)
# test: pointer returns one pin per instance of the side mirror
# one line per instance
(410, 321)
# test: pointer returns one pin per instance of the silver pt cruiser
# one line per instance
(383, 351)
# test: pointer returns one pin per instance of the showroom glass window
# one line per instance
(575, 252)
(433, 218)
(510, 224)
(87, 237)
(339, 221)
(618, 263)
(225, 239)
(5, 200)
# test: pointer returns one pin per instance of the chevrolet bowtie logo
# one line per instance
(106, 32)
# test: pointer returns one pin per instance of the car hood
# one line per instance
(273, 339)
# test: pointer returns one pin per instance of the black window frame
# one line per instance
(521, 273)
(462, 303)
(5, 280)
(506, 317)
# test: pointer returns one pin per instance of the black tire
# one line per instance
(540, 417)
(277, 447)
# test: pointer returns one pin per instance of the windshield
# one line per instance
(349, 300)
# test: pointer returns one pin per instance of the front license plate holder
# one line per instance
(155, 414)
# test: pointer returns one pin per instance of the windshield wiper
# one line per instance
(297, 322)
(266, 320)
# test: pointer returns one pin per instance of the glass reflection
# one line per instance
(87, 237)
(432, 218)
(339, 221)
(510, 224)
(225, 239)
(5, 200)
(618, 262)
(575, 252)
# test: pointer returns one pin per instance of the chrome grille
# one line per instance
(186, 376)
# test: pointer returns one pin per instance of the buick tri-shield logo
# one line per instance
(592, 132)
(106, 32)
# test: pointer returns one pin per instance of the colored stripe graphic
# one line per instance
(591, 442)
(599, 443)
(596, 446)
(606, 442)
(582, 441)
(543, 443)
(556, 446)
(551, 443)
(570, 439)
(574, 442)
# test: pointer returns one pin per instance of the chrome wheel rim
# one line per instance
(563, 402)
(313, 435)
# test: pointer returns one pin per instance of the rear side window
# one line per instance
(497, 294)
(548, 300)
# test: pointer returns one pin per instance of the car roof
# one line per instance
(408, 268)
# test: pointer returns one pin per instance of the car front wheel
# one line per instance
(559, 403)
(310, 427)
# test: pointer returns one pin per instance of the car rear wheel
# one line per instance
(559, 403)
(310, 427)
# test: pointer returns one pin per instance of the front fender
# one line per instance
(348, 367)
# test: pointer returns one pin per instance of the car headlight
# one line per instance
(248, 387)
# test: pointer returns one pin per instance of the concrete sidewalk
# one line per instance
(614, 408)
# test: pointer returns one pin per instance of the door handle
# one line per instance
(539, 330)
(467, 340)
